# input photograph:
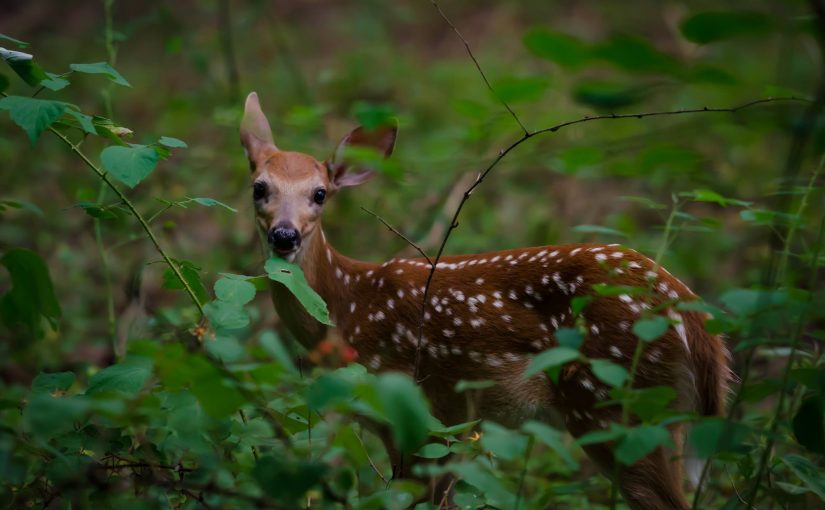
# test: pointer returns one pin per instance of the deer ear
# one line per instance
(381, 139)
(256, 134)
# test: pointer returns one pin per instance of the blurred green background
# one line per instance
(321, 67)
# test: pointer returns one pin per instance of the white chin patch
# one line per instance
(291, 257)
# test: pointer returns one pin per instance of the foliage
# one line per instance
(200, 398)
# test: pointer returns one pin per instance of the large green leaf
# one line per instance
(640, 441)
(550, 358)
(101, 68)
(813, 478)
(126, 377)
(234, 290)
(608, 372)
(712, 435)
(291, 276)
(552, 438)
(405, 407)
(226, 316)
(52, 382)
(190, 273)
(31, 297)
(33, 115)
(561, 48)
(652, 328)
(504, 443)
(24, 65)
(287, 480)
(130, 164)
(708, 27)
(636, 55)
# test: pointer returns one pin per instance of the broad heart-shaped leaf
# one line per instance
(608, 372)
(652, 328)
(127, 377)
(640, 441)
(130, 164)
(101, 68)
(503, 442)
(33, 115)
(31, 297)
(807, 472)
(405, 407)
(433, 451)
(291, 276)
(24, 65)
(708, 27)
(549, 359)
(226, 316)
(233, 290)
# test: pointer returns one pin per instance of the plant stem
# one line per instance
(128, 203)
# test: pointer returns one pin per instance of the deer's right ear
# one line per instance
(256, 134)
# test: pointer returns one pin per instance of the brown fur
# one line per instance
(487, 315)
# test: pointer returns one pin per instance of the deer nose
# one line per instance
(284, 238)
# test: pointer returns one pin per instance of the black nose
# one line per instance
(284, 238)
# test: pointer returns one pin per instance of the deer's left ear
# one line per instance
(381, 139)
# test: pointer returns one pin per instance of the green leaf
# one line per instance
(406, 409)
(190, 273)
(553, 438)
(130, 164)
(569, 337)
(226, 348)
(287, 480)
(639, 441)
(809, 424)
(513, 90)
(174, 143)
(562, 49)
(49, 383)
(372, 115)
(708, 27)
(433, 451)
(598, 229)
(652, 328)
(713, 435)
(608, 372)
(18, 42)
(490, 484)
(273, 346)
(613, 433)
(127, 377)
(231, 290)
(453, 429)
(606, 96)
(504, 443)
(464, 385)
(31, 297)
(550, 358)
(291, 276)
(24, 65)
(85, 121)
(636, 55)
(101, 68)
(706, 195)
(33, 115)
(209, 202)
(46, 417)
(813, 478)
(54, 82)
(226, 316)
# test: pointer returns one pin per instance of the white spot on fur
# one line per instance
(352, 307)
(477, 322)
(479, 281)
(615, 351)
(601, 257)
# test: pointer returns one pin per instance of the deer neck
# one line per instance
(331, 275)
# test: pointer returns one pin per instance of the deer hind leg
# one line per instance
(652, 483)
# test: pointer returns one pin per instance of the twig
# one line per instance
(478, 66)
(372, 464)
(553, 129)
(399, 234)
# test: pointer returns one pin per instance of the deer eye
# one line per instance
(319, 196)
(258, 190)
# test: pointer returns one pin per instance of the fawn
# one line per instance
(486, 314)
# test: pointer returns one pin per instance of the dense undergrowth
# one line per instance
(185, 391)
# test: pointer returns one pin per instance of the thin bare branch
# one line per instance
(554, 129)
(399, 234)
(478, 66)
